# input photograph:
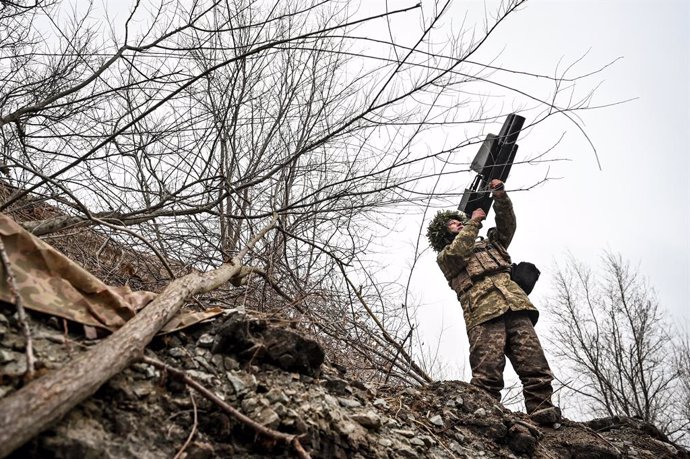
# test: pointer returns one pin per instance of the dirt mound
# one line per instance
(273, 375)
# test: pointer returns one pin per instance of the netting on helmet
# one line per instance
(437, 231)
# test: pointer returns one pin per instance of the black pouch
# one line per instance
(525, 274)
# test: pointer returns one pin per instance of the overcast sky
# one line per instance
(637, 204)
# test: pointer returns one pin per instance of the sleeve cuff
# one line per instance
(475, 223)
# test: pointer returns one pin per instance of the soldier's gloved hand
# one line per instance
(497, 189)
(478, 215)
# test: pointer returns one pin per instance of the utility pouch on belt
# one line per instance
(525, 274)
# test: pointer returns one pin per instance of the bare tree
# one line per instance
(683, 367)
(612, 333)
(188, 125)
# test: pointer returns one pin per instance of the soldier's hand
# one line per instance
(478, 214)
(497, 189)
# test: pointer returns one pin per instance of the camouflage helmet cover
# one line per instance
(437, 231)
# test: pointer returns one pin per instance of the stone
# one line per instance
(331, 414)
(521, 440)
(280, 409)
(203, 353)
(276, 395)
(200, 450)
(481, 412)
(368, 419)
(205, 341)
(346, 428)
(404, 433)
(456, 448)
(177, 352)
(230, 364)
(385, 442)
(15, 368)
(144, 369)
(392, 423)
(331, 400)
(6, 356)
(449, 415)
(338, 386)
(239, 385)
(380, 403)
(268, 417)
(305, 407)
(203, 362)
(249, 404)
(300, 425)
(4, 390)
(437, 420)
(404, 451)
(200, 376)
(14, 342)
(417, 442)
(428, 441)
(349, 403)
(142, 390)
(411, 391)
(217, 361)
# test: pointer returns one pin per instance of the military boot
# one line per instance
(546, 416)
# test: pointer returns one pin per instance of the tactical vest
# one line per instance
(488, 257)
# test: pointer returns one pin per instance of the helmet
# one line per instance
(437, 231)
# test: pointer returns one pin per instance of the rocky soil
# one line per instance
(277, 377)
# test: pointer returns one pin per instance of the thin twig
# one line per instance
(21, 313)
(191, 434)
(66, 337)
(288, 439)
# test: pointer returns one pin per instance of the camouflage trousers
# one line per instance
(512, 335)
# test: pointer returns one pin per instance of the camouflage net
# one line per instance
(437, 231)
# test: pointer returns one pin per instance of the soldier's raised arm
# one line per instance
(505, 216)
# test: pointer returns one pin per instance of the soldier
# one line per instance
(498, 315)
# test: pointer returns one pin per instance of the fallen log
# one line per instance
(33, 408)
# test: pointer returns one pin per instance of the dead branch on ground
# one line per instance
(289, 439)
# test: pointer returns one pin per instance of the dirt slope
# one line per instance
(275, 376)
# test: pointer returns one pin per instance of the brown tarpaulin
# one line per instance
(49, 282)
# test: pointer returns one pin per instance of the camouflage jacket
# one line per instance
(493, 295)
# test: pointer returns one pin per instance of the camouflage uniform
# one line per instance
(49, 282)
(498, 314)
